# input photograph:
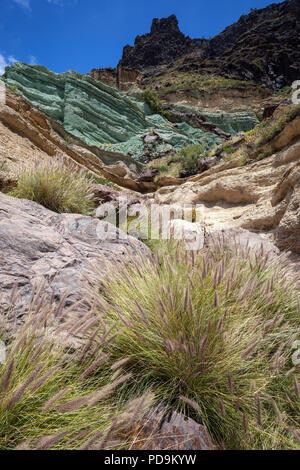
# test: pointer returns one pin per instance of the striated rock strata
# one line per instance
(95, 113)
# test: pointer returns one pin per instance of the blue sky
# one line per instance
(85, 34)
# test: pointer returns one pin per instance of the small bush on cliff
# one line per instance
(191, 156)
(57, 184)
(2, 165)
(155, 104)
(211, 333)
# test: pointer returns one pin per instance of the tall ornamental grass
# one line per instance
(57, 184)
(211, 333)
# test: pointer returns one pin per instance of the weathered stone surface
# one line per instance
(263, 196)
(241, 240)
(175, 433)
(6, 182)
(61, 249)
(148, 175)
(104, 194)
(122, 78)
(192, 233)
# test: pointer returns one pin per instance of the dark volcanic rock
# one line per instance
(164, 44)
(262, 46)
(148, 175)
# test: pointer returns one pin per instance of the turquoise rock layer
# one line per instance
(233, 122)
(98, 114)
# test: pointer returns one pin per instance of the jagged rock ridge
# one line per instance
(262, 46)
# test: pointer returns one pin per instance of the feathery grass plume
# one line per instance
(62, 303)
(57, 183)
(93, 367)
(38, 383)
(279, 417)
(237, 404)
(296, 386)
(230, 384)
(7, 375)
(251, 349)
(222, 408)
(184, 354)
(107, 390)
(38, 374)
(24, 445)
(245, 422)
(120, 363)
(259, 411)
(191, 403)
(216, 300)
(107, 435)
(89, 444)
(19, 392)
(49, 441)
(55, 399)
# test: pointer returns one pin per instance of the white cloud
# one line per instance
(5, 61)
(23, 3)
(32, 60)
(62, 3)
(26, 3)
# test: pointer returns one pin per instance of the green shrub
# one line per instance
(191, 156)
(99, 180)
(155, 104)
(285, 91)
(3, 165)
(211, 334)
(57, 184)
(258, 64)
(229, 150)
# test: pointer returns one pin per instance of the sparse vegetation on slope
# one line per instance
(257, 144)
(174, 81)
(191, 156)
(57, 184)
(155, 104)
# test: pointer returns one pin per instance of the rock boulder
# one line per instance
(60, 249)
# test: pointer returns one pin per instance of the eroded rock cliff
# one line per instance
(262, 46)
(97, 114)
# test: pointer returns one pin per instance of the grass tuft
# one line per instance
(57, 184)
(211, 333)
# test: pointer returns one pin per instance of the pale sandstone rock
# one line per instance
(192, 233)
(263, 196)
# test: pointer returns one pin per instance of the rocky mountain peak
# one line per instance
(165, 25)
(262, 46)
(164, 44)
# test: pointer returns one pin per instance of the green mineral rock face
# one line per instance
(98, 114)
(233, 122)
(241, 121)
